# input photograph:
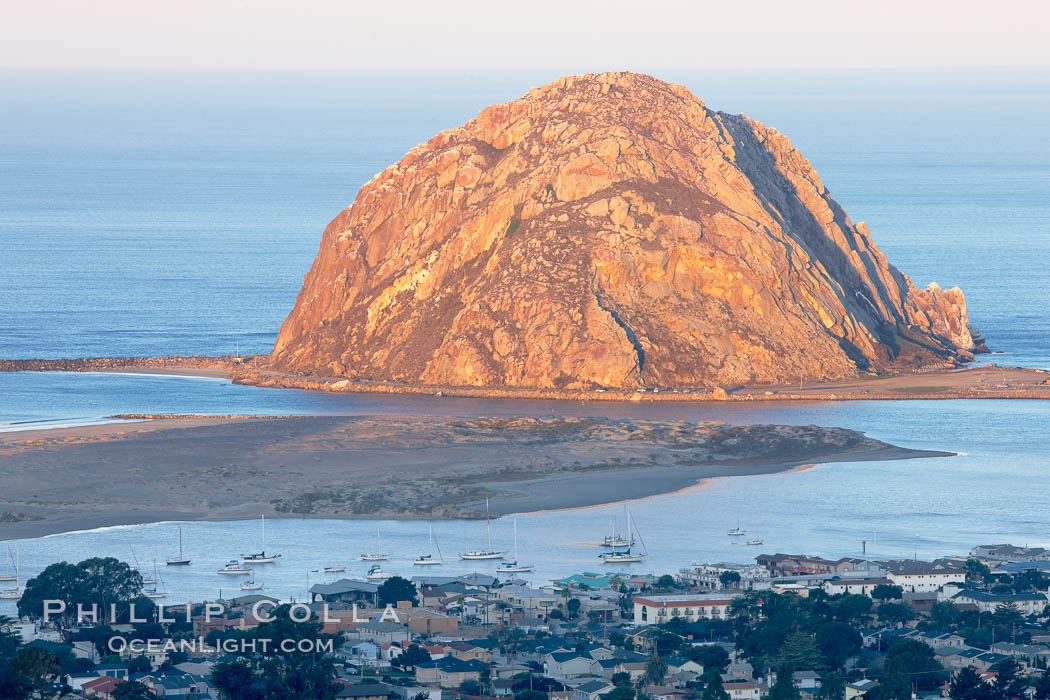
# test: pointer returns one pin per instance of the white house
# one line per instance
(1027, 603)
(923, 577)
(657, 609)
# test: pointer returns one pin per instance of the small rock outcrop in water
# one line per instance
(608, 230)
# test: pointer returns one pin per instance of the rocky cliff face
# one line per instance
(608, 230)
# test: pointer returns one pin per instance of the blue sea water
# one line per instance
(175, 213)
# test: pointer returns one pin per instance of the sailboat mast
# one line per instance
(488, 523)
(180, 543)
(264, 534)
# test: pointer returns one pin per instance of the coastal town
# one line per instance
(785, 627)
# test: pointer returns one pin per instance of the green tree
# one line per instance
(837, 642)
(396, 589)
(968, 686)
(139, 664)
(729, 579)
(887, 591)
(531, 695)
(665, 582)
(713, 688)
(1007, 683)
(710, 656)
(1031, 580)
(412, 656)
(9, 639)
(895, 612)
(1042, 687)
(655, 670)
(784, 687)
(945, 615)
(133, 690)
(99, 580)
(914, 660)
(621, 678)
(32, 670)
(299, 675)
(832, 687)
(470, 687)
(1007, 615)
(977, 571)
(852, 608)
(573, 607)
(233, 679)
(799, 650)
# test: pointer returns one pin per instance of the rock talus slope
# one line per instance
(608, 230)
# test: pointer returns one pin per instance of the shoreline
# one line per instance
(978, 382)
(398, 468)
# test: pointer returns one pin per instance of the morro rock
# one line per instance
(608, 230)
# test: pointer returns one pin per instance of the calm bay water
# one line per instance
(175, 213)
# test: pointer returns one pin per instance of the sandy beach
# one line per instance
(232, 468)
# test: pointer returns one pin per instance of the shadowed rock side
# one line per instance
(608, 230)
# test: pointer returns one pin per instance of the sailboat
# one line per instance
(510, 567)
(260, 557)
(13, 576)
(137, 569)
(16, 592)
(251, 585)
(613, 539)
(625, 556)
(488, 553)
(334, 569)
(179, 560)
(736, 531)
(754, 542)
(153, 592)
(379, 555)
(429, 559)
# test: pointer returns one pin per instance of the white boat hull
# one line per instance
(234, 572)
(8, 578)
(525, 568)
(335, 569)
(482, 555)
(374, 557)
(622, 558)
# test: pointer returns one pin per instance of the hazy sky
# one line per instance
(560, 35)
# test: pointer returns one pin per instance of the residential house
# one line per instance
(742, 689)
(383, 632)
(368, 691)
(592, 690)
(657, 609)
(448, 672)
(345, 591)
(570, 664)
(1027, 603)
(859, 688)
(854, 586)
(917, 576)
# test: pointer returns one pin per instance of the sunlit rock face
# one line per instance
(608, 230)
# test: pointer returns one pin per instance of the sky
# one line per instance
(559, 35)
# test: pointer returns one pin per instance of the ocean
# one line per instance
(175, 213)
